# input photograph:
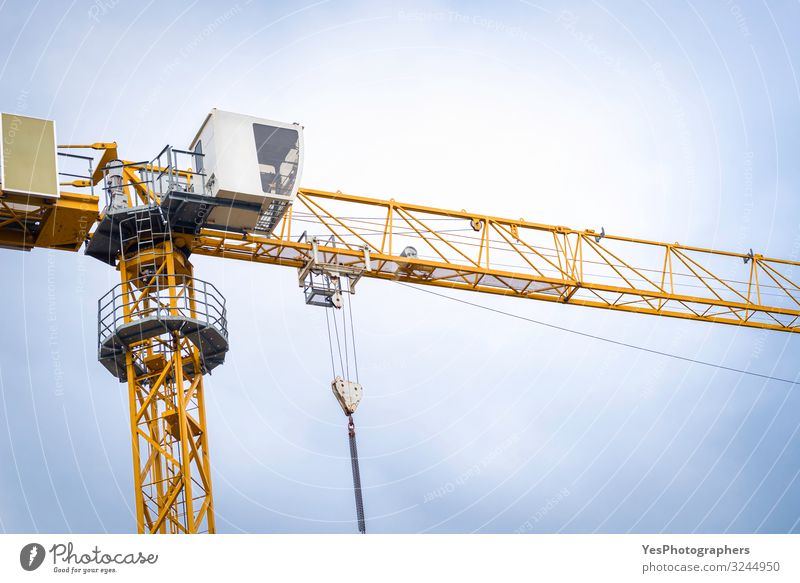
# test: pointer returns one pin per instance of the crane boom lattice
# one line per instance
(473, 252)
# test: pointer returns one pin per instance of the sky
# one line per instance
(673, 121)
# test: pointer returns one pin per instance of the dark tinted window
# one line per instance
(278, 157)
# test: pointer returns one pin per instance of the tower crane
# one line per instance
(234, 194)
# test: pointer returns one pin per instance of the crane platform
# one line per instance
(192, 307)
(211, 341)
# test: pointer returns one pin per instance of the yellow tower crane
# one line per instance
(234, 194)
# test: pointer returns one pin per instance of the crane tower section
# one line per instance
(161, 329)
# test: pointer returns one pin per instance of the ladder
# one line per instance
(143, 238)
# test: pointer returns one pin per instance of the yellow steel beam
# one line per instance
(465, 250)
(63, 223)
(172, 469)
(28, 221)
(476, 252)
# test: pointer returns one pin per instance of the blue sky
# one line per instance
(674, 121)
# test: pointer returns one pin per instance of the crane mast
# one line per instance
(161, 329)
(164, 311)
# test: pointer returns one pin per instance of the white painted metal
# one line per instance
(347, 393)
(253, 163)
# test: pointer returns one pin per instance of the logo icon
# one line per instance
(31, 556)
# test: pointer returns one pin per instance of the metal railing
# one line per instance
(151, 298)
(175, 169)
(171, 169)
(71, 176)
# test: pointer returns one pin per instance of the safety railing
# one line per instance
(175, 169)
(153, 298)
(71, 170)
(172, 169)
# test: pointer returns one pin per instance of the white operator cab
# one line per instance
(252, 165)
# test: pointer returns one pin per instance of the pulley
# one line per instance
(347, 393)
(329, 284)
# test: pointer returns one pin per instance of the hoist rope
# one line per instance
(344, 333)
(338, 344)
(353, 336)
(344, 363)
(330, 342)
